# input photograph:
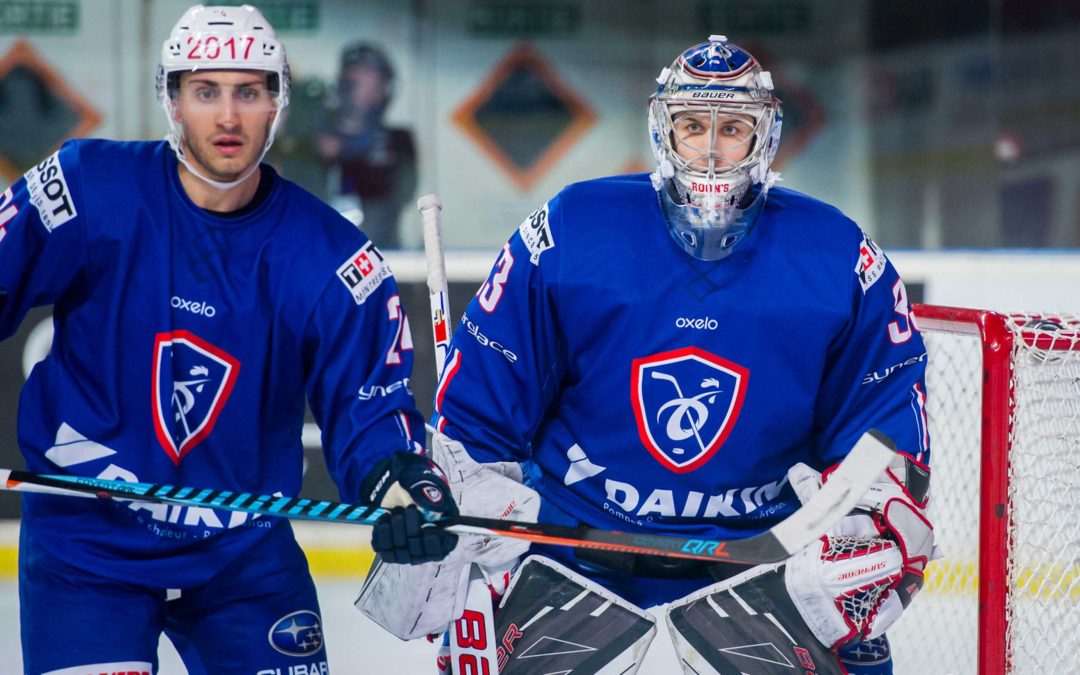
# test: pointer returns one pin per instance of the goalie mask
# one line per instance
(222, 38)
(714, 124)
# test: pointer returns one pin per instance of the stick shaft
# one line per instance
(431, 216)
(861, 468)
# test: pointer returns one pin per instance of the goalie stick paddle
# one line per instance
(863, 465)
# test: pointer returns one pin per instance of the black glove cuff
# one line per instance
(415, 473)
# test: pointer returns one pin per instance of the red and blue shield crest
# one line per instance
(686, 403)
(192, 382)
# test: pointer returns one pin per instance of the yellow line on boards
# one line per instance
(325, 562)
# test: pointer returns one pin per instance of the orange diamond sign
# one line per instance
(40, 110)
(523, 116)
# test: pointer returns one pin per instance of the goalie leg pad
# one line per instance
(746, 624)
(553, 620)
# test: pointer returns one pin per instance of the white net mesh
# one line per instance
(940, 632)
(1043, 608)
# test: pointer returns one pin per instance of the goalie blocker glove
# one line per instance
(410, 486)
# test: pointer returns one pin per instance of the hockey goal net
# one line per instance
(1003, 403)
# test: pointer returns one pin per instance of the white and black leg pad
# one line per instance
(553, 620)
(746, 625)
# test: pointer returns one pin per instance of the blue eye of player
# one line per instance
(207, 94)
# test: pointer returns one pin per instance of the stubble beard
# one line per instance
(221, 169)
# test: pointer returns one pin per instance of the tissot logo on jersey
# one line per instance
(536, 233)
(49, 193)
(363, 272)
(686, 402)
(871, 263)
(192, 382)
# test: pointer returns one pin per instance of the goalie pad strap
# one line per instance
(553, 620)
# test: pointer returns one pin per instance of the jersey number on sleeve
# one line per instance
(7, 211)
(901, 329)
(402, 335)
(492, 290)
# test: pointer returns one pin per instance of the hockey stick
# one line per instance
(861, 468)
(431, 215)
(478, 616)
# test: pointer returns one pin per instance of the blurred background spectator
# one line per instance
(373, 165)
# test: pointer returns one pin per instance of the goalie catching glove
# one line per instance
(410, 486)
(871, 564)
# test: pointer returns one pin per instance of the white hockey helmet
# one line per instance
(714, 124)
(221, 38)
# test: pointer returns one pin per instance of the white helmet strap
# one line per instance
(173, 137)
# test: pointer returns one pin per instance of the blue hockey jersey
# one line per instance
(645, 389)
(185, 342)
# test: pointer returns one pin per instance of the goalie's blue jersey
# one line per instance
(185, 344)
(646, 389)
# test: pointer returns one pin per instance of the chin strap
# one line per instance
(216, 183)
(173, 138)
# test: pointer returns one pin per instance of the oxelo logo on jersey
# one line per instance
(363, 272)
(536, 234)
(49, 193)
(686, 403)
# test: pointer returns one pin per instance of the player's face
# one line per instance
(701, 135)
(225, 116)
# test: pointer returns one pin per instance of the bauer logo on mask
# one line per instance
(686, 403)
(192, 382)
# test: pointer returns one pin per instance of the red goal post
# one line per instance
(1003, 403)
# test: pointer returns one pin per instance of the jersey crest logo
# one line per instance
(192, 382)
(686, 403)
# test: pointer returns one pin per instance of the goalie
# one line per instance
(682, 352)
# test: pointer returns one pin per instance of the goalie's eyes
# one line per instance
(696, 127)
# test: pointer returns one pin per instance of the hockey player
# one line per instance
(197, 296)
(656, 352)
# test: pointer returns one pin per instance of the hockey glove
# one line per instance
(893, 509)
(411, 486)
